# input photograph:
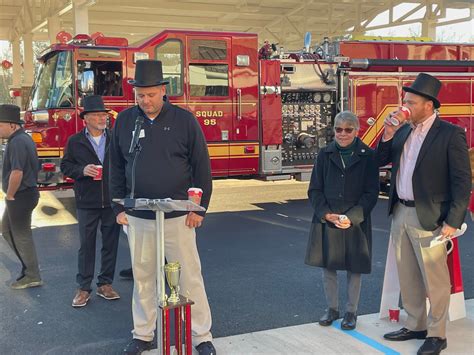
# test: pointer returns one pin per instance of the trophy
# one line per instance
(173, 273)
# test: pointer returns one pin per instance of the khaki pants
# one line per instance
(180, 245)
(423, 272)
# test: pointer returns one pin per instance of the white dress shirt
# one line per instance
(411, 149)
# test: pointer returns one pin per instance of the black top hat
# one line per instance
(148, 72)
(427, 86)
(92, 103)
(10, 113)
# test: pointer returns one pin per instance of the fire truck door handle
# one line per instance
(239, 104)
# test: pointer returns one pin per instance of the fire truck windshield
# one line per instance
(53, 86)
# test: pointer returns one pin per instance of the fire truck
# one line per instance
(264, 113)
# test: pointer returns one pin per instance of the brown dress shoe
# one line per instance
(81, 298)
(107, 292)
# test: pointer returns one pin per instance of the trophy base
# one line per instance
(182, 323)
(183, 301)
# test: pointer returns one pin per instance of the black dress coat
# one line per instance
(442, 176)
(79, 152)
(352, 191)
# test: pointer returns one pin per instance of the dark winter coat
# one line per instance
(352, 191)
(79, 152)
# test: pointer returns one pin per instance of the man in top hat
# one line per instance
(86, 160)
(431, 181)
(172, 159)
(471, 201)
(19, 177)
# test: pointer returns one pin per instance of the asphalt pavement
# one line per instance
(252, 247)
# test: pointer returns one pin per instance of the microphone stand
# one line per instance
(136, 150)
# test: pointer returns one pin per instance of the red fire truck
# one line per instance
(265, 117)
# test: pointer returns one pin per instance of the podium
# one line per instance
(162, 206)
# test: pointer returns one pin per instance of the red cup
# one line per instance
(99, 172)
(394, 315)
(406, 113)
(195, 194)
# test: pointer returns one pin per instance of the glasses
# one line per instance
(347, 130)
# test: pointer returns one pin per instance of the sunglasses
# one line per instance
(340, 129)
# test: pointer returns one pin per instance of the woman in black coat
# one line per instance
(343, 191)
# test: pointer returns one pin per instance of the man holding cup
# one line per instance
(431, 181)
(86, 160)
(173, 158)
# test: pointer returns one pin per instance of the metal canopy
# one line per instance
(282, 21)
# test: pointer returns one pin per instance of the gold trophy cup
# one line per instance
(173, 273)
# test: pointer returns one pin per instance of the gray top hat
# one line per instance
(93, 103)
(10, 113)
(148, 72)
(427, 86)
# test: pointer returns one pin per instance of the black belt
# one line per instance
(407, 203)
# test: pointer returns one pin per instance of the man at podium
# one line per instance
(158, 151)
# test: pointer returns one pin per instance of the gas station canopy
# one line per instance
(279, 21)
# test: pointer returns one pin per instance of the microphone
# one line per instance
(136, 134)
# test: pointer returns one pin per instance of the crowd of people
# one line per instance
(429, 196)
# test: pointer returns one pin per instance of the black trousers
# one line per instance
(16, 229)
(89, 219)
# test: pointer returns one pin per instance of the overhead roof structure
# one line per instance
(282, 21)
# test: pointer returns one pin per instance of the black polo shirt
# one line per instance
(20, 154)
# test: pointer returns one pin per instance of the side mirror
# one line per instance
(86, 85)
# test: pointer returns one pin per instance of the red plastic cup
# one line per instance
(394, 315)
(195, 194)
(99, 172)
(406, 113)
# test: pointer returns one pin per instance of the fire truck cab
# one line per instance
(262, 115)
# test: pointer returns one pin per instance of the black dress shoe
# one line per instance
(349, 321)
(137, 346)
(405, 334)
(432, 346)
(330, 316)
(206, 348)
(126, 274)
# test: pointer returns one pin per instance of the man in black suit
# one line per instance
(87, 161)
(431, 181)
